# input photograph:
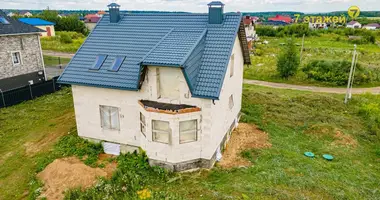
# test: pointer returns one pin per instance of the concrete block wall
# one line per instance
(30, 52)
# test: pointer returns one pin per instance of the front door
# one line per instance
(48, 31)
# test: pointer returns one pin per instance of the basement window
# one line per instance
(187, 131)
(142, 124)
(98, 62)
(161, 131)
(109, 117)
(16, 58)
(117, 63)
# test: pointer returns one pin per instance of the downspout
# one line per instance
(42, 57)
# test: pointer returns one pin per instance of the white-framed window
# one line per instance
(109, 117)
(161, 131)
(232, 65)
(142, 124)
(188, 131)
(231, 102)
(16, 58)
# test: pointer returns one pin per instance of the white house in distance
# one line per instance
(170, 84)
(41, 24)
(354, 24)
(373, 26)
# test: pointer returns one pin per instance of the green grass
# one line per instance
(27, 131)
(54, 43)
(325, 47)
(295, 122)
(52, 61)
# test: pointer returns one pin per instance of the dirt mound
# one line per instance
(68, 173)
(342, 139)
(246, 136)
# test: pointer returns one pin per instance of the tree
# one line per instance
(288, 60)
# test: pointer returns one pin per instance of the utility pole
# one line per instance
(350, 76)
(353, 77)
(303, 42)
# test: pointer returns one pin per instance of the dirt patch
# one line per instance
(47, 140)
(68, 173)
(342, 139)
(246, 136)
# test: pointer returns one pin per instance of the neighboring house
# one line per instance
(318, 23)
(41, 24)
(249, 30)
(91, 20)
(25, 14)
(21, 61)
(373, 26)
(11, 14)
(101, 13)
(354, 24)
(280, 18)
(170, 84)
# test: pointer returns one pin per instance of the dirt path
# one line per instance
(375, 90)
(58, 54)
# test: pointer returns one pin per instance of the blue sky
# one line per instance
(197, 5)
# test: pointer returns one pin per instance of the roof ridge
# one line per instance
(204, 32)
(158, 43)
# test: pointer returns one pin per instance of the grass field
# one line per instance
(52, 61)
(54, 43)
(295, 121)
(325, 47)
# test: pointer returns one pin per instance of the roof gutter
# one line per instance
(31, 33)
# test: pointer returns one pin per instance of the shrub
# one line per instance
(288, 60)
(335, 72)
(65, 38)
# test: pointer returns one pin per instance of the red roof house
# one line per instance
(280, 18)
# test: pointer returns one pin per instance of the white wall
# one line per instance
(213, 120)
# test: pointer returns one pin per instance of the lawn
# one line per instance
(53, 61)
(55, 43)
(325, 47)
(295, 121)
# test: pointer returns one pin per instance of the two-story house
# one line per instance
(21, 61)
(170, 84)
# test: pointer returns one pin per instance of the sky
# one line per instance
(199, 6)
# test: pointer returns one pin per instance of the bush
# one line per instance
(335, 72)
(288, 60)
(65, 38)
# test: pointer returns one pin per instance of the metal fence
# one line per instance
(28, 92)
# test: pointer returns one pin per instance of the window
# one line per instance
(3, 20)
(187, 131)
(231, 102)
(117, 63)
(161, 131)
(232, 65)
(98, 62)
(142, 124)
(109, 117)
(16, 58)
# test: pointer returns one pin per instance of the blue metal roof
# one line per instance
(187, 41)
(36, 22)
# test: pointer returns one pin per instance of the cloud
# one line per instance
(197, 5)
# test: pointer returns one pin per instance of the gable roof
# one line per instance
(285, 19)
(373, 25)
(16, 27)
(36, 22)
(181, 40)
(352, 22)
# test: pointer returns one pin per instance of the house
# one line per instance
(170, 84)
(25, 13)
(280, 18)
(353, 24)
(91, 20)
(101, 13)
(10, 14)
(21, 61)
(41, 24)
(249, 30)
(373, 26)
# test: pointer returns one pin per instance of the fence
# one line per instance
(29, 92)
